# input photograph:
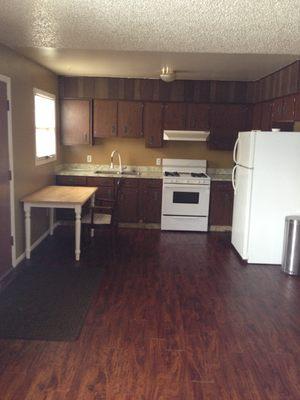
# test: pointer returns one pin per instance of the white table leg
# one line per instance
(77, 231)
(92, 205)
(27, 230)
(51, 220)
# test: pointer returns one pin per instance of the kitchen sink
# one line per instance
(110, 172)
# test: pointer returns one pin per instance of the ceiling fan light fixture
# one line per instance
(167, 75)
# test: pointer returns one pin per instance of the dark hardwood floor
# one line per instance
(177, 317)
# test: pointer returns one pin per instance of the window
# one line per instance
(45, 130)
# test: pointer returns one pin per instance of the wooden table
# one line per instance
(58, 197)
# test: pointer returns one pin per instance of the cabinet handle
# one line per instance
(113, 129)
(125, 129)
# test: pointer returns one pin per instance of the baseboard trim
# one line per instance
(220, 228)
(36, 243)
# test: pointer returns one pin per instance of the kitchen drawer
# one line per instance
(99, 181)
(130, 182)
(151, 183)
(64, 180)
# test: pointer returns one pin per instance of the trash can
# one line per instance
(291, 245)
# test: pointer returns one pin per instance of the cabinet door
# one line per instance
(266, 117)
(297, 107)
(128, 204)
(75, 122)
(105, 118)
(277, 108)
(175, 116)
(226, 122)
(150, 200)
(288, 110)
(257, 113)
(153, 121)
(129, 200)
(130, 119)
(198, 117)
(221, 204)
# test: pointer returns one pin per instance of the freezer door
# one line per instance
(243, 153)
(241, 210)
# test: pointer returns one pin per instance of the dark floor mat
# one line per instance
(47, 303)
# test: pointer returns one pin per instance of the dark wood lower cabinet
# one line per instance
(221, 204)
(129, 200)
(150, 200)
(140, 199)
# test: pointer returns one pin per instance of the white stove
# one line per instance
(186, 191)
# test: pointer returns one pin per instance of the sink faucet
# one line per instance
(112, 160)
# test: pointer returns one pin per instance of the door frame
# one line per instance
(7, 80)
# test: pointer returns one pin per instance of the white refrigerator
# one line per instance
(266, 183)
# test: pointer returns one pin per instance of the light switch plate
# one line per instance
(89, 158)
(158, 161)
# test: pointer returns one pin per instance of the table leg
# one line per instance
(92, 205)
(27, 210)
(51, 220)
(77, 231)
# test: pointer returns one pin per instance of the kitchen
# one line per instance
(168, 308)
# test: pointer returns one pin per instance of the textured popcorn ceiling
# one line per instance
(195, 26)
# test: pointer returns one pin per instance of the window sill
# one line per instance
(43, 161)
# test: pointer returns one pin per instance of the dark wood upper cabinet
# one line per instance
(130, 119)
(175, 116)
(288, 109)
(297, 107)
(75, 122)
(198, 117)
(277, 108)
(226, 122)
(266, 117)
(256, 117)
(153, 124)
(105, 118)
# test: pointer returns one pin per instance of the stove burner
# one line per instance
(167, 173)
(198, 175)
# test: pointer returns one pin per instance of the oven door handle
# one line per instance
(185, 186)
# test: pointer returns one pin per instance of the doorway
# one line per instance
(7, 255)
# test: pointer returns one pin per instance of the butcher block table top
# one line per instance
(61, 194)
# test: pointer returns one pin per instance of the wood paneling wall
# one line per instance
(280, 83)
(155, 90)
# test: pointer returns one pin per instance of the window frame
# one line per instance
(52, 158)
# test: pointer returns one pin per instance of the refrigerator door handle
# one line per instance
(233, 178)
(235, 151)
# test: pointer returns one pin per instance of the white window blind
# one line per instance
(45, 135)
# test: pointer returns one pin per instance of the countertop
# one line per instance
(216, 174)
(219, 174)
(129, 172)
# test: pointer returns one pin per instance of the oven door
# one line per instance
(183, 199)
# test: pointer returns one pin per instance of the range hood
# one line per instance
(196, 136)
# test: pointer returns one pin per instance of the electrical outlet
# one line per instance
(89, 158)
(158, 161)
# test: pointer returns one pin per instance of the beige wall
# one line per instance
(25, 75)
(133, 152)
